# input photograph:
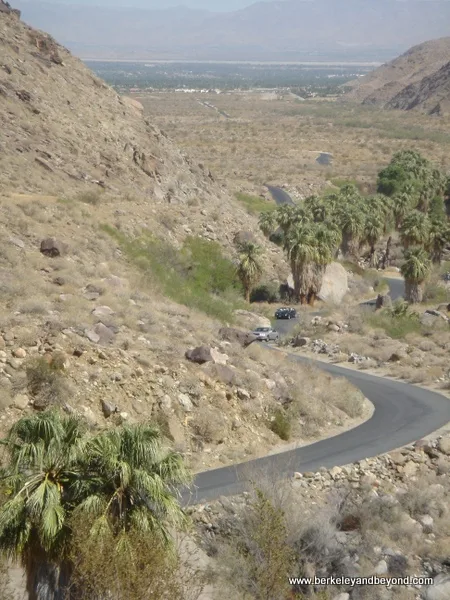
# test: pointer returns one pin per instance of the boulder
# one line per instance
(440, 590)
(442, 308)
(231, 334)
(436, 313)
(299, 341)
(100, 334)
(219, 358)
(334, 284)
(381, 568)
(102, 311)
(108, 408)
(444, 445)
(427, 523)
(53, 248)
(185, 402)
(223, 373)
(21, 401)
(199, 355)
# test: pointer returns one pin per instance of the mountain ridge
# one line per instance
(289, 30)
(418, 79)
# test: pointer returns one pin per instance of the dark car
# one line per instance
(285, 313)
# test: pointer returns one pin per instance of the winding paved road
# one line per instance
(279, 195)
(403, 414)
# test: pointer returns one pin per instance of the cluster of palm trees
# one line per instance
(119, 481)
(409, 199)
(417, 194)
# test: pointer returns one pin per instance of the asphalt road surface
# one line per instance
(403, 414)
(279, 195)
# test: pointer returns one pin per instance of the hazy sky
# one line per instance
(215, 5)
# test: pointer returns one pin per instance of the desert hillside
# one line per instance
(64, 132)
(418, 79)
(115, 260)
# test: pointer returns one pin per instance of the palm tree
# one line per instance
(415, 270)
(43, 454)
(402, 205)
(309, 248)
(374, 229)
(133, 482)
(286, 215)
(249, 269)
(55, 470)
(439, 239)
(268, 223)
(351, 219)
(415, 229)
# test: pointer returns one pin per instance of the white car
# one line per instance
(265, 334)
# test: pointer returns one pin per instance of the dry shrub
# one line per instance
(46, 381)
(257, 560)
(347, 398)
(209, 425)
(132, 566)
(424, 497)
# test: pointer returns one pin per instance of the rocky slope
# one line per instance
(64, 132)
(418, 79)
(81, 326)
(386, 517)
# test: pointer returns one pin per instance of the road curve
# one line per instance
(403, 414)
(279, 195)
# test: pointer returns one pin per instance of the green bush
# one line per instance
(255, 205)
(198, 275)
(280, 424)
(397, 321)
(435, 293)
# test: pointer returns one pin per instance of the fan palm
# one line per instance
(40, 481)
(415, 270)
(56, 470)
(309, 248)
(374, 229)
(133, 481)
(286, 216)
(249, 269)
(415, 229)
(402, 206)
(268, 223)
(439, 239)
(351, 219)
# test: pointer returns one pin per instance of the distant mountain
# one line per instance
(419, 79)
(282, 30)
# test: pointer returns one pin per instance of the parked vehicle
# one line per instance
(285, 313)
(265, 334)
